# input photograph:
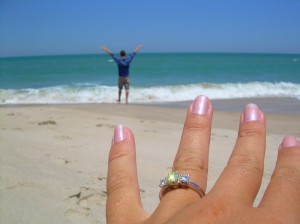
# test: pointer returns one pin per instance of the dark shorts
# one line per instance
(123, 81)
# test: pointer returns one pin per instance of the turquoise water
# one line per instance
(154, 77)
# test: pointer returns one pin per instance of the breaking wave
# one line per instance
(107, 94)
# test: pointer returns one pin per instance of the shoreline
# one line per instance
(226, 112)
(270, 105)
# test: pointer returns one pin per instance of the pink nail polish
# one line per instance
(201, 105)
(251, 112)
(119, 134)
(289, 141)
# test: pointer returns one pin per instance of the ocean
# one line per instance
(155, 78)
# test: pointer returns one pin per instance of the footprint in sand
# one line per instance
(14, 114)
(86, 199)
(105, 125)
(74, 213)
(88, 196)
(48, 122)
(19, 184)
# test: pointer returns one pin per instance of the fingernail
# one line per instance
(289, 141)
(251, 112)
(200, 105)
(119, 134)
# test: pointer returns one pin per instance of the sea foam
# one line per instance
(108, 94)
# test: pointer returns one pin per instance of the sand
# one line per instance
(54, 157)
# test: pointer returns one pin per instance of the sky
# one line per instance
(60, 27)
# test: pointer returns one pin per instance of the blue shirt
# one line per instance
(123, 64)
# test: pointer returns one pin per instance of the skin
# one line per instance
(231, 200)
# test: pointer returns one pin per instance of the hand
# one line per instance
(231, 200)
(137, 48)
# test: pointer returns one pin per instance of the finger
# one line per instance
(123, 195)
(241, 178)
(192, 156)
(283, 192)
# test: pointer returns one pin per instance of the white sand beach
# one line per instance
(54, 157)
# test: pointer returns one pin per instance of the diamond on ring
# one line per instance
(178, 180)
(174, 179)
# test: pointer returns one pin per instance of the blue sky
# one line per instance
(51, 27)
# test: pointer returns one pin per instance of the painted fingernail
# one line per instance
(251, 112)
(289, 141)
(201, 105)
(119, 134)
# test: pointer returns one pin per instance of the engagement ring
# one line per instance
(176, 180)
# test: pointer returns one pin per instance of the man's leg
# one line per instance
(127, 95)
(127, 83)
(120, 93)
(120, 85)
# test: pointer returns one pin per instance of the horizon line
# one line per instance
(165, 52)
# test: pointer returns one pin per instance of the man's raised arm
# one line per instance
(106, 50)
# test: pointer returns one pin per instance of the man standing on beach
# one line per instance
(123, 66)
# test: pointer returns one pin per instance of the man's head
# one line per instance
(122, 53)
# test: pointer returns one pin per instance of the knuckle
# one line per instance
(248, 163)
(288, 166)
(290, 154)
(191, 163)
(196, 124)
(240, 159)
(289, 174)
(119, 152)
(118, 180)
(251, 129)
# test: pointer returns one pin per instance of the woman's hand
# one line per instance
(231, 199)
